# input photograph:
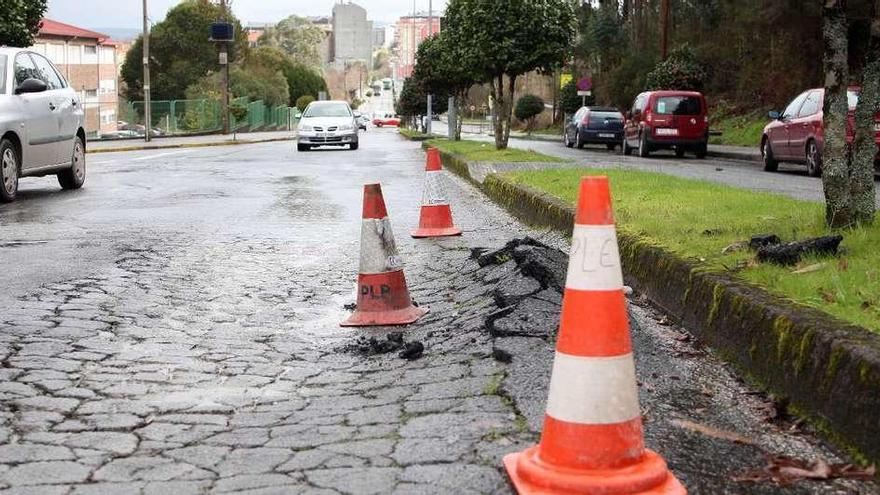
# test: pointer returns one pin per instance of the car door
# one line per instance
(780, 134)
(40, 125)
(572, 127)
(62, 100)
(803, 126)
(631, 129)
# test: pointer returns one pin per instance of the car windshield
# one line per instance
(599, 118)
(678, 105)
(326, 110)
(2, 74)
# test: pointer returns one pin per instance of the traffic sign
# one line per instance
(585, 84)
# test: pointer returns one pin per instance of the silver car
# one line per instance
(41, 123)
(327, 123)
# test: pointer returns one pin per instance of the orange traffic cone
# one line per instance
(436, 215)
(383, 298)
(592, 441)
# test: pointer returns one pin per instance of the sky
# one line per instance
(127, 13)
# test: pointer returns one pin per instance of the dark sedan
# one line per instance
(594, 125)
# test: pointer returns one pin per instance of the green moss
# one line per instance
(782, 326)
(717, 294)
(494, 385)
(837, 355)
(824, 427)
(804, 349)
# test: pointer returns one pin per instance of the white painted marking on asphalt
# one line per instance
(594, 263)
(160, 155)
(593, 390)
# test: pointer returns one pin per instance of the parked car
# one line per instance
(594, 125)
(388, 119)
(677, 120)
(327, 123)
(362, 120)
(797, 134)
(41, 123)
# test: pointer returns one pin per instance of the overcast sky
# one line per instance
(127, 13)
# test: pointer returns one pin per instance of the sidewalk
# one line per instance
(189, 141)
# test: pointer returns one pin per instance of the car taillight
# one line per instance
(876, 126)
(648, 117)
(705, 119)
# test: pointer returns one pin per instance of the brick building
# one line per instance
(410, 31)
(90, 63)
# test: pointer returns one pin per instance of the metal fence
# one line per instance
(182, 117)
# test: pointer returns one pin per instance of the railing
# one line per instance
(181, 117)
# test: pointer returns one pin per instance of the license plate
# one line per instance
(325, 134)
(606, 136)
(667, 132)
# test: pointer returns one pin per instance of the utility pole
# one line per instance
(430, 33)
(664, 29)
(146, 45)
(224, 70)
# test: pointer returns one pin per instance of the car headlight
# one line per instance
(306, 128)
(346, 127)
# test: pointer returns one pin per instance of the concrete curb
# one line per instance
(185, 145)
(421, 138)
(827, 370)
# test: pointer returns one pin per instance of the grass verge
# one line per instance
(413, 134)
(740, 130)
(482, 151)
(699, 220)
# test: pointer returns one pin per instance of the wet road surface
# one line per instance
(173, 328)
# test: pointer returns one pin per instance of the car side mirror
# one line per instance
(775, 115)
(357, 115)
(31, 85)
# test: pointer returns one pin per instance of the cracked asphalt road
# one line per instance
(173, 328)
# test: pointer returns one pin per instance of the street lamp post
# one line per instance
(146, 54)
(430, 33)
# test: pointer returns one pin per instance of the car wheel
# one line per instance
(624, 147)
(567, 140)
(643, 146)
(770, 163)
(302, 147)
(611, 147)
(814, 160)
(10, 163)
(75, 176)
(353, 146)
(578, 142)
(702, 150)
(679, 152)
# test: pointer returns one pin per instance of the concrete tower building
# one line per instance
(352, 34)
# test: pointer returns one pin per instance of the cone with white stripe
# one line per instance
(435, 219)
(592, 442)
(383, 298)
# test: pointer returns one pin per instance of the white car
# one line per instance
(327, 123)
(41, 123)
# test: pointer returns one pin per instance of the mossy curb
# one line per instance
(414, 137)
(827, 369)
(184, 145)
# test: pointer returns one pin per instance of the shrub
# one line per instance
(303, 101)
(528, 107)
(681, 71)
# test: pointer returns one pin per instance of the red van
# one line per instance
(676, 120)
(797, 134)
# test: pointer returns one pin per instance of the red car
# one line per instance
(659, 120)
(388, 119)
(797, 135)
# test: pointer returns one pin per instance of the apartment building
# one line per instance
(410, 31)
(90, 63)
(352, 35)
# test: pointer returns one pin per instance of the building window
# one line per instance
(74, 54)
(107, 86)
(108, 116)
(90, 54)
(91, 93)
(108, 55)
(90, 49)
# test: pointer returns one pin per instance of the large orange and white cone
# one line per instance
(435, 219)
(383, 298)
(592, 442)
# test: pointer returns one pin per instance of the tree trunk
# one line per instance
(498, 110)
(508, 115)
(461, 102)
(836, 173)
(865, 146)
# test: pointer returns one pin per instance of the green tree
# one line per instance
(528, 107)
(303, 101)
(299, 38)
(181, 52)
(500, 41)
(20, 21)
(300, 79)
